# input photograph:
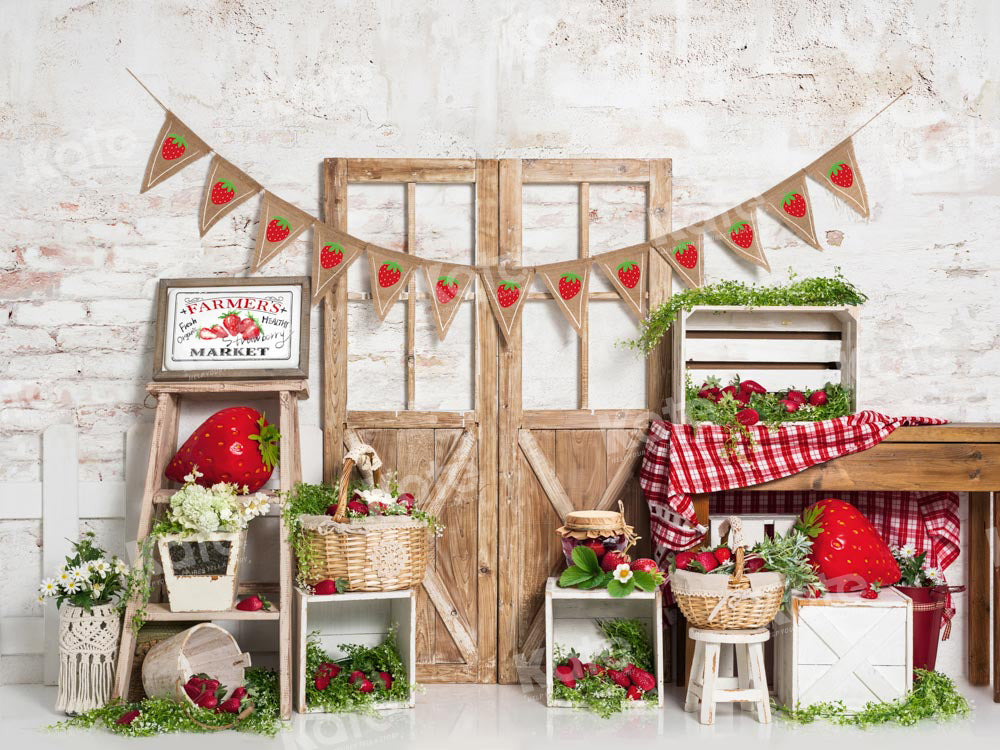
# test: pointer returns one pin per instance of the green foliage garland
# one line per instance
(340, 695)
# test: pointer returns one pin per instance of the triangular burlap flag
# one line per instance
(507, 289)
(790, 202)
(389, 273)
(225, 189)
(333, 253)
(685, 252)
(176, 146)
(626, 269)
(837, 170)
(279, 224)
(568, 283)
(448, 285)
(737, 229)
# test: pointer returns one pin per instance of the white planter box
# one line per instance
(777, 346)
(571, 622)
(202, 592)
(843, 647)
(362, 617)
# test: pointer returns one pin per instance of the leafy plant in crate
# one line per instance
(358, 681)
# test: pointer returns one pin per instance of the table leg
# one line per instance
(978, 583)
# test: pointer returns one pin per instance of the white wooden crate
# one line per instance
(355, 617)
(570, 622)
(843, 647)
(756, 526)
(779, 347)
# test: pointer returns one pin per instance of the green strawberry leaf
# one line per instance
(628, 265)
(737, 227)
(585, 558)
(227, 185)
(267, 441)
(570, 277)
(835, 168)
(574, 576)
(618, 589)
(334, 247)
(508, 285)
(789, 198)
(594, 582)
(644, 580)
(177, 139)
(448, 280)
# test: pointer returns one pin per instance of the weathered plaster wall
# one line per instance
(738, 93)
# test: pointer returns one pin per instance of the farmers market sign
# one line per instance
(210, 329)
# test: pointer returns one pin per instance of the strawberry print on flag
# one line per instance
(448, 286)
(278, 225)
(333, 252)
(626, 270)
(684, 251)
(568, 283)
(225, 189)
(837, 170)
(176, 146)
(737, 230)
(507, 289)
(790, 202)
(389, 273)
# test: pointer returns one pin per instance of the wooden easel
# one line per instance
(156, 493)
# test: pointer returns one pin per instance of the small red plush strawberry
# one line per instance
(231, 322)
(331, 255)
(193, 689)
(594, 669)
(841, 174)
(322, 682)
(365, 685)
(731, 390)
(753, 565)
(325, 587)
(641, 678)
(871, 592)
(356, 675)
(446, 289)
(389, 273)
(253, 603)
(752, 386)
(127, 718)
(747, 417)
(794, 205)
(741, 234)
(508, 293)
(723, 555)
(222, 192)
(577, 666)
(619, 678)
(633, 693)
(564, 673)
(174, 146)
(686, 254)
(817, 398)
(228, 706)
(406, 499)
(645, 565)
(278, 229)
(847, 551)
(597, 546)
(790, 406)
(683, 559)
(233, 445)
(797, 396)
(239, 693)
(707, 562)
(357, 507)
(628, 273)
(386, 679)
(612, 559)
(207, 700)
(569, 285)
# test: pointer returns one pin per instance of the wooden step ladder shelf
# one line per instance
(156, 495)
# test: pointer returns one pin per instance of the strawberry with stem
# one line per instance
(508, 293)
(173, 147)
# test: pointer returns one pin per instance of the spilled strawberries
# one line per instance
(206, 692)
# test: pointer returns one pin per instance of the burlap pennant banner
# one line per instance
(569, 284)
(507, 290)
(790, 202)
(626, 270)
(279, 224)
(737, 229)
(389, 273)
(684, 250)
(225, 189)
(838, 171)
(176, 146)
(333, 252)
(448, 285)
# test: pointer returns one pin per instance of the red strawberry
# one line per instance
(356, 675)
(597, 546)
(841, 174)
(446, 289)
(233, 445)
(358, 507)
(871, 592)
(193, 690)
(723, 554)
(325, 588)
(250, 604)
(752, 386)
(564, 674)
(633, 693)
(747, 417)
(683, 559)
(569, 285)
(741, 234)
(847, 551)
(612, 559)
(386, 679)
(322, 682)
(594, 669)
(207, 700)
(229, 706)
(365, 686)
(173, 146)
(619, 678)
(817, 398)
(577, 666)
(231, 322)
(731, 390)
(790, 406)
(389, 273)
(645, 565)
(331, 255)
(753, 564)
(220, 332)
(211, 685)
(406, 499)
(794, 205)
(508, 293)
(641, 678)
(250, 331)
(797, 396)
(206, 333)
(127, 718)
(278, 229)
(240, 693)
(706, 393)
(707, 561)
(223, 192)
(628, 273)
(686, 254)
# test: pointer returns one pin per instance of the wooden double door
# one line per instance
(499, 476)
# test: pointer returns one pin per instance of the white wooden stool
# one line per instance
(748, 687)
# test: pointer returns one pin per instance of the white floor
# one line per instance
(507, 716)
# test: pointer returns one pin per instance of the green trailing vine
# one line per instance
(305, 500)
(934, 696)
(163, 716)
(339, 694)
(822, 291)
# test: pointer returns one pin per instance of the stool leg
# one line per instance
(697, 670)
(759, 677)
(708, 684)
(743, 671)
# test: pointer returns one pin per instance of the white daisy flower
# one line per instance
(98, 589)
(623, 573)
(72, 587)
(77, 574)
(48, 587)
(908, 550)
(102, 568)
(934, 574)
(63, 568)
(64, 577)
(121, 567)
(40, 599)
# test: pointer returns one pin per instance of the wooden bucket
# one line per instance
(205, 648)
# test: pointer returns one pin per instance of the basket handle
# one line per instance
(738, 579)
(354, 447)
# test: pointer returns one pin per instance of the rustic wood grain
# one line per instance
(658, 363)
(978, 577)
(546, 474)
(583, 398)
(996, 604)
(334, 328)
(605, 419)
(556, 171)
(411, 298)
(405, 420)
(451, 467)
(411, 170)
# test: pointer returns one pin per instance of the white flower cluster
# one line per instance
(916, 572)
(376, 495)
(92, 577)
(221, 507)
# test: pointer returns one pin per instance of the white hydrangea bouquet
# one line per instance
(196, 510)
(88, 578)
(914, 570)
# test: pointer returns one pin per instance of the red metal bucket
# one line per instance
(928, 606)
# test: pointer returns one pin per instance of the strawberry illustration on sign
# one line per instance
(686, 254)
(741, 234)
(508, 293)
(625, 270)
(738, 232)
(448, 285)
(174, 147)
(331, 255)
(794, 205)
(568, 284)
(389, 273)
(506, 288)
(629, 273)
(446, 289)
(279, 224)
(789, 202)
(226, 187)
(278, 229)
(223, 192)
(837, 170)
(841, 174)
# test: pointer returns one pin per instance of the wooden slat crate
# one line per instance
(779, 347)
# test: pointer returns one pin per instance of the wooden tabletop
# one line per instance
(953, 432)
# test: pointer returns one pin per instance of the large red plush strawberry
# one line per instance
(847, 552)
(233, 445)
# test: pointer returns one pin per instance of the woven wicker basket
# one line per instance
(378, 553)
(742, 601)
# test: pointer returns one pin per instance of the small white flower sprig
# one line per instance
(87, 579)
(198, 510)
(913, 568)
